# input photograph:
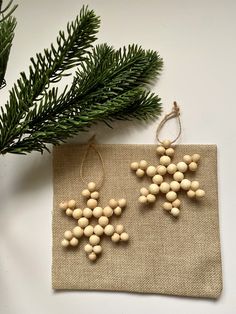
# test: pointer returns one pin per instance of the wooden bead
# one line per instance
(71, 204)
(142, 199)
(153, 188)
(94, 239)
(115, 237)
(167, 206)
(171, 169)
(171, 196)
(91, 203)
(97, 249)
(176, 203)
(195, 157)
(134, 166)
(182, 166)
(65, 243)
(185, 184)
(165, 187)
(200, 193)
(103, 221)
(191, 194)
(78, 232)
(160, 150)
(122, 202)
(124, 236)
(175, 186)
(92, 256)
(74, 242)
(87, 212)
(161, 170)
(192, 166)
(119, 229)
(77, 213)
(108, 211)
(165, 160)
(92, 186)
(83, 222)
(68, 235)
(63, 205)
(178, 176)
(95, 195)
(143, 164)
(98, 230)
(88, 248)
(170, 152)
(69, 212)
(175, 211)
(118, 211)
(144, 191)
(195, 185)
(157, 179)
(97, 212)
(86, 193)
(113, 203)
(187, 159)
(151, 198)
(140, 173)
(88, 231)
(109, 230)
(166, 143)
(151, 171)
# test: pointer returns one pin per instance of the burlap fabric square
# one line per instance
(164, 255)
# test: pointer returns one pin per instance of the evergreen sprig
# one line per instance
(109, 84)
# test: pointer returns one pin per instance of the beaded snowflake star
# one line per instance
(85, 227)
(178, 180)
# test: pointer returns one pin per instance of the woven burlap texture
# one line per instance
(164, 255)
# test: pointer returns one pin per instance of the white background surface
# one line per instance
(197, 41)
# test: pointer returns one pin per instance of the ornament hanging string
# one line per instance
(175, 113)
(92, 146)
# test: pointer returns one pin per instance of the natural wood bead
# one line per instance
(171, 196)
(153, 188)
(187, 159)
(119, 229)
(87, 212)
(170, 152)
(195, 185)
(97, 249)
(200, 193)
(92, 186)
(68, 235)
(134, 165)
(182, 166)
(98, 230)
(144, 191)
(178, 176)
(166, 143)
(103, 221)
(94, 239)
(115, 237)
(151, 171)
(191, 194)
(164, 187)
(69, 212)
(95, 195)
(113, 203)
(175, 211)
(78, 232)
(63, 205)
(151, 198)
(108, 211)
(74, 242)
(161, 150)
(192, 166)
(97, 212)
(142, 199)
(124, 236)
(109, 230)
(176, 203)
(157, 179)
(118, 211)
(91, 203)
(140, 173)
(167, 206)
(88, 248)
(65, 243)
(88, 231)
(86, 193)
(171, 169)
(165, 160)
(77, 213)
(83, 222)
(92, 256)
(175, 186)
(195, 157)
(122, 202)
(161, 170)
(71, 204)
(143, 164)
(185, 184)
